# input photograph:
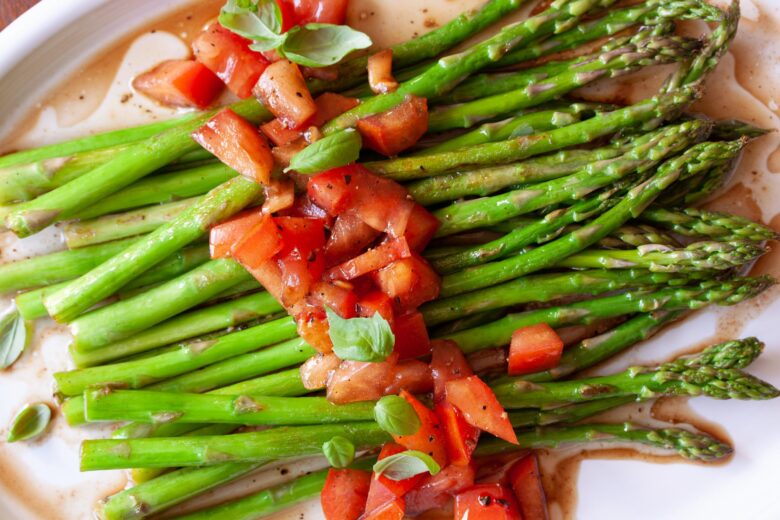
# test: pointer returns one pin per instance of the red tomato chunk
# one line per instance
(527, 484)
(430, 437)
(320, 11)
(480, 407)
(486, 502)
(282, 89)
(344, 495)
(180, 83)
(396, 130)
(533, 349)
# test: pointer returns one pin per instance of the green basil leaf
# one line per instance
(258, 20)
(332, 151)
(339, 451)
(360, 339)
(406, 464)
(396, 416)
(30, 422)
(321, 44)
(13, 338)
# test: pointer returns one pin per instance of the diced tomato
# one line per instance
(355, 381)
(384, 490)
(421, 228)
(278, 134)
(380, 72)
(316, 371)
(461, 437)
(305, 207)
(371, 260)
(320, 11)
(331, 105)
(349, 236)
(283, 154)
(331, 189)
(180, 83)
(447, 364)
(344, 495)
(279, 195)
(259, 244)
(382, 203)
(486, 502)
(341, 300)
(533, 349)
(409, 281)
(313, 327)
(228, 56)
(303, 234)
(430, 437)
(411, 375)
(480, 407)
(527, 484)
(297, 278)
(396, 130)
(238, 144)
(411, 336)
(289, 19)
(283, 90)
(392, 510)
(270, 277)
(225, 235)
(494, 469)
(373, 302)
(435, 491)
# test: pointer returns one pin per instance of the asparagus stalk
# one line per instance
(695, 222)
(570, 413)
(618, 57)
(499, 333)
(737, 353)
(128, 317)
(698, 157)
(543, 288)
(693, 446)
(733, 129)
(134, 374)
(221, 202)
(192, 324)
(650, 110)
(467, 322)
(637, 236)
(123, 225)
(447, 72)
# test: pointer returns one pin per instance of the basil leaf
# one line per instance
(30, 422)
(321, 44)
(360, 339)
(332, 151)
(339, 451)
(396, 416)
(258, 20)
(13, 338)
(406, 464)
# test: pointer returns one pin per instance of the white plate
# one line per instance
(42, 481)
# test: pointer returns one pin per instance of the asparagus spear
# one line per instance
(127, 317)
(156, 407)
(192, 324)
(693, 446)
(221, 202)
(618, 57)
(650, 110)
(733, 129)
(695, 222)
(698, 157)
(499, 333)
(123, 225)
(570, 413)
(447, 72)
(543, 288)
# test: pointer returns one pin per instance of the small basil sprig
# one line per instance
(13, 338)
(30, 422)
(313, 45)
(396, 416)
(339, 451)
(332, 151)
(360, 339)
(406, 464)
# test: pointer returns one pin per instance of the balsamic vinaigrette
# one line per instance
(738, 88)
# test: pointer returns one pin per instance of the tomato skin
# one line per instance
(237, 143)
(225, 235)
(435, 491)
(396, 130)
(303, 234)
(382, 203)
(330, 189)
(258, 245)
(341, 300)
(480, 407)
(289, 19)
(228, 56)
(344, 495)
(355, 381)
(385, 496)
(320, 11)
(461, 437)
(527, 485)
(486, 502)
(370, 261)
(420, 228)
(180, 83)
(411, 336)
(430, 437)
(283, 90)
(533, 349)
(447, 364)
